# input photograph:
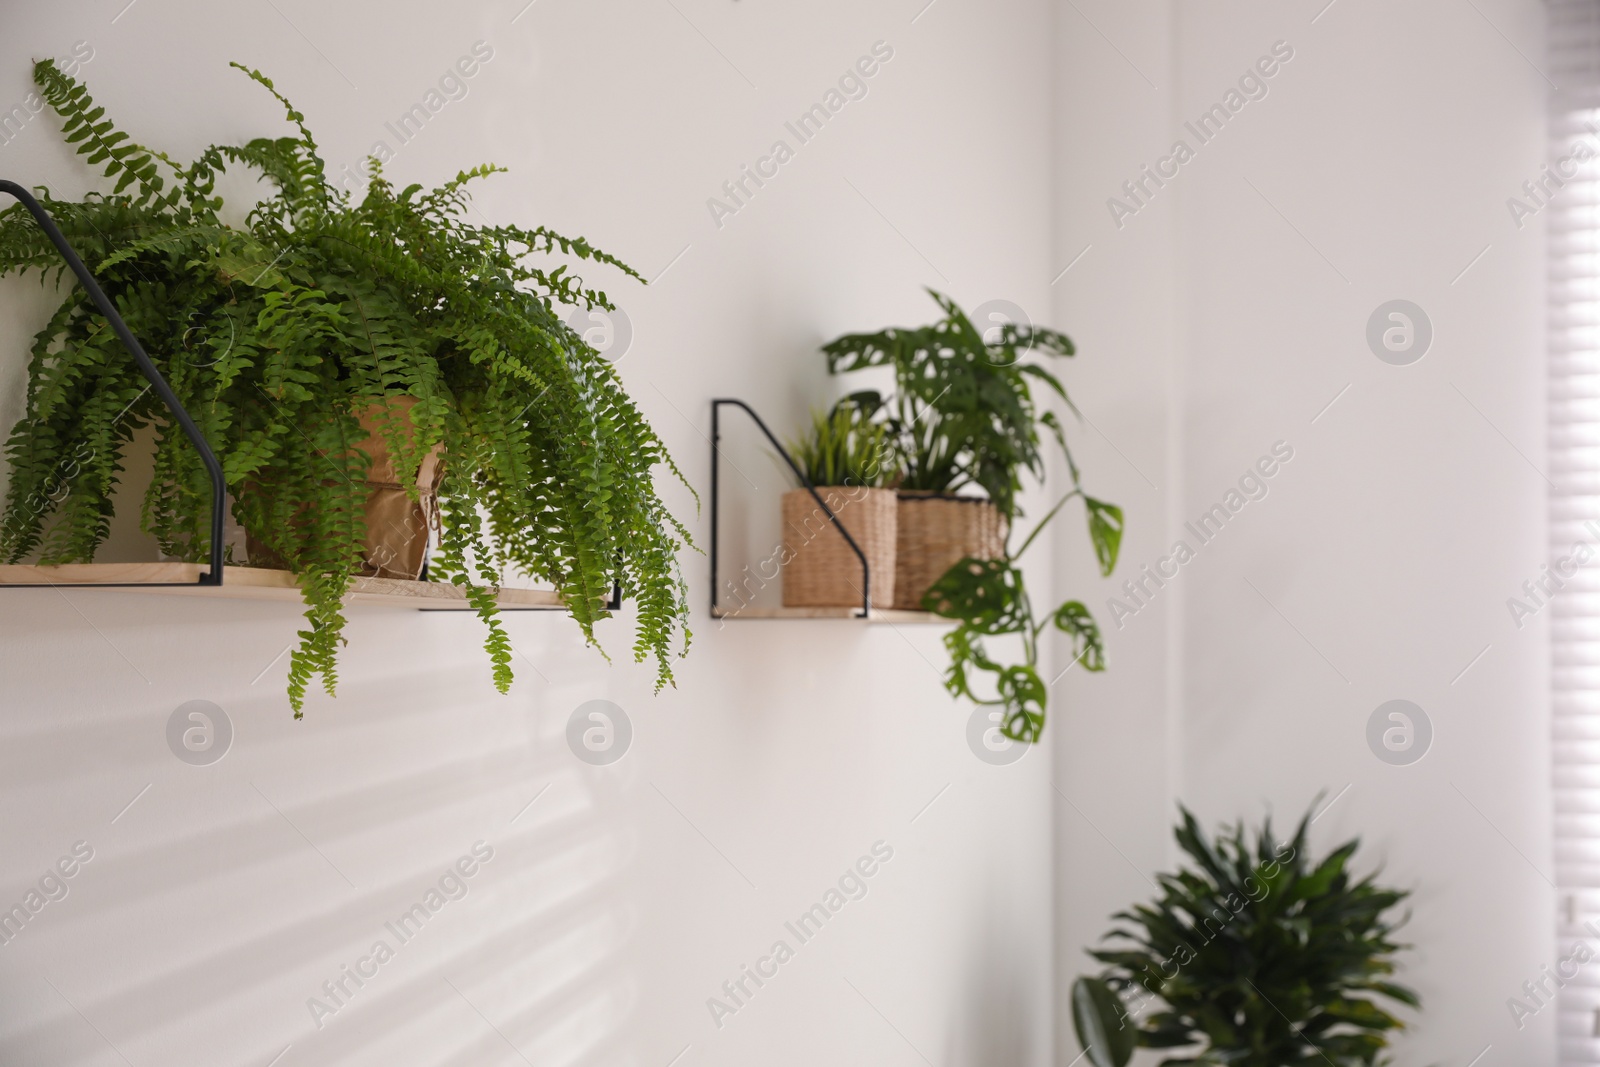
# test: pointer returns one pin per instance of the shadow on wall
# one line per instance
(453, 888)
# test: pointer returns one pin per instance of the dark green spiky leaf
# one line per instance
(1261, 956)
(1103, 1029)
(1317, 882)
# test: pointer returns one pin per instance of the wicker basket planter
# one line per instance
(821, 570)
(934, 532)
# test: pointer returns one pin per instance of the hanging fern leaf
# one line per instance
(278, 334)
(97, 140)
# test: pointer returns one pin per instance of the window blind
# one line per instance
(1571, 214)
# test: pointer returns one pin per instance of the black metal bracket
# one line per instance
(213, 577)
(716, 460)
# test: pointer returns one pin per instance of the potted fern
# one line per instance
(329, 348)
(846, 457)
(1256, 954)
(965, 426)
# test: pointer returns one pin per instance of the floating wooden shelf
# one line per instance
(256, 583)
(880, 615)
(889, 616)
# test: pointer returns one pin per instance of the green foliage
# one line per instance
(1105, 531)
(1257, 956)
(277, 333)
(845, 447)
(989, 598)
(963, 414)
(1101, 1023)
(1073, 619)
(963, 411)
(987, 594)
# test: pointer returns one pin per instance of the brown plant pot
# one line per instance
(934, 532)
(396, 543)
(820, 570)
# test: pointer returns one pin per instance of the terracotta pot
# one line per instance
(396, 544)
(820, 570)
(934, 531)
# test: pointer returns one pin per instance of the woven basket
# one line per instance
(397, 526)
(934, 533)
(821, 570)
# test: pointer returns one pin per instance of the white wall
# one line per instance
(1377, 168)
(1210, 326)
(619, 902)
(1116, 734)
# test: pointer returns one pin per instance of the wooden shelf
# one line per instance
(891, 616)
(255, 583)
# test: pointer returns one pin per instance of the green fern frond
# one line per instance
(277, 334)
(97, 140)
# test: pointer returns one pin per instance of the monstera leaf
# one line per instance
(966, 653)
(986, 594)
(964, 406)
(968, 410)
(1020, 692)
(1024, 694)
(1073, 618)
(988, 598)
(1105, 530)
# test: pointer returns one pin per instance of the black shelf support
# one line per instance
(213, 577)
(716, 459)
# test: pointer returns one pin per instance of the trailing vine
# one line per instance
(277, 333)
(962, 415)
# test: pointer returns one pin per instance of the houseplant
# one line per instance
(963, 417)
(962, 411)
(1257, 955)
(284, 334)
(846, 457)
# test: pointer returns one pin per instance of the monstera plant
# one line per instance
(282, 329)
(963, 416)
(1256, 955)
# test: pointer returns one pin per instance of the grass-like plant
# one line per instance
(1256, 955)
(277, 332)
(963, 414)
(845, 447)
